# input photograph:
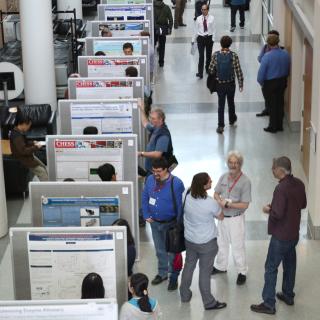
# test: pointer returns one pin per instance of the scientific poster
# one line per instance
(114, 48)
(119, 29)
(126, 12)
(104, 89)
(59, 262)
(108, 118)
(80, 159)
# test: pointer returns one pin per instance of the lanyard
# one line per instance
(234, 183)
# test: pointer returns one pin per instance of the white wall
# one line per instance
(279, 13)
(255, 16)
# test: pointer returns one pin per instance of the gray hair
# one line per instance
(282, 163)
(236, 154)
(159, 112)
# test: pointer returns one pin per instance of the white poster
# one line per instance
(114, 48)
(58, 263)
(80, 159)
(119, 29)
(108, 118)
(126, 12)
(101, 89)
(110, 67)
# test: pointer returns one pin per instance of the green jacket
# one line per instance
(162, 14)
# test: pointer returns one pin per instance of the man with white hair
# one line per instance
(289, 198)
(233, 193)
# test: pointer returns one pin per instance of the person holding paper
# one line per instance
(23, 150)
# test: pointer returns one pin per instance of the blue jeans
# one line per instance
(226, 90)
(165, 259)
(285, 252)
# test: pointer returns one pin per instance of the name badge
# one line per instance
(152, 201)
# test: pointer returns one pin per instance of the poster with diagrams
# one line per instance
(58, 263)
(80, 159)
(104, 89)
(119, 29)
(114, 48)
(108, 118)
(111, 67)
(126, 12)
(79, 211)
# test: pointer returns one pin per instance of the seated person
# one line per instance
(23, 150)
(140, 306)
(107, 172)
(127, 49)
(131, 249)
(100, 53)
(92, 287)
(90, 130)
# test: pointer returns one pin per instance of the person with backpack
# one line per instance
(225, 64)
(204, 34)
(237, 5)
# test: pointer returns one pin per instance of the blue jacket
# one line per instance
(157, 202)
(237, 2)
(274, 64)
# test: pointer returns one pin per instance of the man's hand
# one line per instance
(149, 220)
(141, 104)
(220, 216)
(267, 209)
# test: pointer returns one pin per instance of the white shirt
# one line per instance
(199, 30)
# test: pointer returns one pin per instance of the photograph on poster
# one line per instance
(114, 48)
(79, 211)
(104, 89)
(107, 118)
(123, 29)
(80, 159)
(121, 13)
(59, 262)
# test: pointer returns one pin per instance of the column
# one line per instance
(66, 5)
(3, 202)
(38, 52)
(255, 17)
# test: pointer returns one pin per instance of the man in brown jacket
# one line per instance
(23, 150)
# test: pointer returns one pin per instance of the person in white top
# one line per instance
(204, 34)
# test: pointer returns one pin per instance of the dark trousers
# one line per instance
(234, 10)
(274, 94)
(226, 90)
(162, 46)
(266, 107)
(204, 43)
(178, 12)
(285, 252)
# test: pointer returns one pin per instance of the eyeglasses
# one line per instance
(204, 9)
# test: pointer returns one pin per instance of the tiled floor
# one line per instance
(192, 117)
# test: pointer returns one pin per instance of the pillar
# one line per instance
(38, 52)
(65, 5)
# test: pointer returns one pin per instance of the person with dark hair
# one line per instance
(161, 208)
(131, 71)
(69, 180)
(178, 13)
(90, 130)
(23, 150)
(107, 172)
(263, 51)
(131, 249)
(100, 53)
(289, 198)
(140, 306)
(225, 65)
(200, 234)
(237, 5)
(272, 76)
(127, 49)
(92, 287)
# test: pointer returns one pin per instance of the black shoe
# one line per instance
(220, 131)
(262, 113)
(173, 285)
(232, 29)
(268, 129)
(215, 270)
(232, 123)
(157, 280)
(182, 25)
(282, 297)
(175, 26)
(241, 279)
(217, 306)
(199, 75)
(161, 64)
(262, 308)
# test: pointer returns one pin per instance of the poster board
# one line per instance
(114, 66)
(113, 46)
(124, 1)
(75, 115)
(95, 309)
(106, 88)
(50, 263)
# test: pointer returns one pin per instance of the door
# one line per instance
(307, 107)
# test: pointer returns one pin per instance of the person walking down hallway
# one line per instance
(237, 5)
(225, 64)
(289, 198)
(272, 76)
(178, 14)
(204, 34)
(163, 23)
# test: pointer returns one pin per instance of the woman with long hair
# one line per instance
(92, 287)
(140, 306)
(200, 232)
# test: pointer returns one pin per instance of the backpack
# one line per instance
(198, 5)
(225, 67)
